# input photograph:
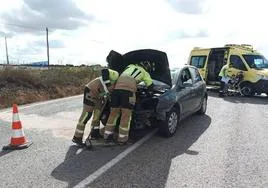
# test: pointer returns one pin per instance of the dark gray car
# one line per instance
(178, 93)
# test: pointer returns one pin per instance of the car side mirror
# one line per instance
(180, 85)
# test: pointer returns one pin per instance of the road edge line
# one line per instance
(25, 106)
(114, 161)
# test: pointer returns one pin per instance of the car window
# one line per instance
(185, 77)
(237, 62)
(195, 75)
(198, 61)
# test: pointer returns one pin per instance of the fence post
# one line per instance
(47, 47)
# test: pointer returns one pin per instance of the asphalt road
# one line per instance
(227, 147)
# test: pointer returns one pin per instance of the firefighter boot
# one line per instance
(122, 140)
(109, 139)
(78, 141)
(79, 131)
(95, 134)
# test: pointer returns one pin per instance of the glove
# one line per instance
(151, 87)
(106, 96)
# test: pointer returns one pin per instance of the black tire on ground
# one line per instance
(168, 127)
(246, 89)
(203, 107)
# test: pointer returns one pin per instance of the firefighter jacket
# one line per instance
(132, 76)
(98, 88)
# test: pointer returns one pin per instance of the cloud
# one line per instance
(202, 33)
(54, 43)
(6, 34)
(187, 6)
(35, 15)
(183, 34)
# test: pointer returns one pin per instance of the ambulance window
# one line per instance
(237, 62)
(198, 61)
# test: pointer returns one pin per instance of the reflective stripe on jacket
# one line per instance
(138, 73)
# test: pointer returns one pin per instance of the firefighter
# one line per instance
(123, 99)
(95, 96)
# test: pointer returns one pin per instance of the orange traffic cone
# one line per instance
(18, 139)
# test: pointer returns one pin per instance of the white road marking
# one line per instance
(108, 165)
(42, 103)
(115, 160)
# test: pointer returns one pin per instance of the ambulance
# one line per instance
(242, 58)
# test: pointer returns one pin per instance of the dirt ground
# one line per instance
(24, 86)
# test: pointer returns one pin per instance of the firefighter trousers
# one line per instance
(122, 104)
(89, 108)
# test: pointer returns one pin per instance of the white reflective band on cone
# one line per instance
(16, 117)
(96, 127)
(17, 133)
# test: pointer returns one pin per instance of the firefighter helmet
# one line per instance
(113, 55)
(147, 66)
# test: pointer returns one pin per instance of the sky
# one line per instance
(84, 31)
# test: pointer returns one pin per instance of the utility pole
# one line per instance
(47, 46)
(6, 50)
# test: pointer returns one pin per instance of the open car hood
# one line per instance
(158, 59)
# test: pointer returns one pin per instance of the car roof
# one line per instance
(183, 66)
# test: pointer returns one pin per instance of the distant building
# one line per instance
(39, 64)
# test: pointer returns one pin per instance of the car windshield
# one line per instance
(256, 61)
(174, 75)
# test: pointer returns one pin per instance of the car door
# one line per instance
(185, 92)
(197, 89)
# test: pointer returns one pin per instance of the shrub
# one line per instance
(31, 85)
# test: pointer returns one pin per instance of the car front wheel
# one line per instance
(169, 126)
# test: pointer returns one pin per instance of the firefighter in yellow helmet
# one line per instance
(95, 96)
(123, 99)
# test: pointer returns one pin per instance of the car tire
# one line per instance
(168, 127)
(246, 90)
(203, 107)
